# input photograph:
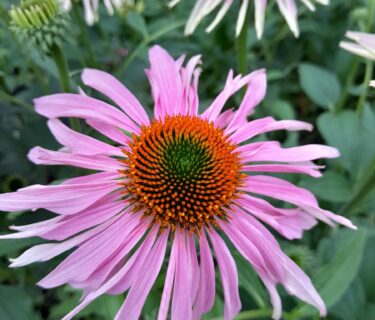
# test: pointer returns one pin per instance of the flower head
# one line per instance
(40, 23)
(91, 7)
(183, 177)
(363, 45)
(203, 8)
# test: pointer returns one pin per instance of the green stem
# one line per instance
(62, 67)
(146, 41)
(241, 47)
(348, 84)
(367, 184)
(254, 314)
(84, 36)
(370, 15)
(367, 79)
(16, 101)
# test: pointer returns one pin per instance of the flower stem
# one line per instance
(365, 188)
(368, 76)
(84, 36)
(62, 67)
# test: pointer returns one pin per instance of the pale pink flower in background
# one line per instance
(185, 177)
(91, 8)
(363, 45)
(202, 8)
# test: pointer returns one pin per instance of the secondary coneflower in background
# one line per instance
(203, 8)
(363, 45)
(182, 177)
(91, 8)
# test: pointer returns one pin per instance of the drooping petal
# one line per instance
(132, 307)
(286, 191)
(268, 124)
(181, 303)
(79, 106)
(39, 155)
(229, 276)
(288, 9)
(305, 168)
(79, 143)
(274, 152)
(56, 197)
(206, 291)
(136, 259)
(289, 222)
(44, 252)
(84, 260)
(168, 284)
(117, 92)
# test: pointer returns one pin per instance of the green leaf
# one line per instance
(331, 186)
(353, 136)
(333, 280)
(137, 22)
(15, 304)
(321, 85)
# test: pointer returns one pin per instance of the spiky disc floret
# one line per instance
(39, 23)
(183, 172)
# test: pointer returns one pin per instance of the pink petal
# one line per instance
(255, 93)
(168, 284)
(289, 222)
(39, 155)
(192, 265)
(47, 251)
(79, 106)
(268, 124)
(137, 259)
(299, 284)
(136, 298)
(83, 261)
(206, 292)
(104, 270)
(310, 169)
(165, 79)
(80, 143)
(117, 92)
(97, 213)
(286, 191)
(274, 152)
(224, 118)
(260, 249)
(109, 131)
(181, 304)
(55, 197)
(229, 276)
(232, 85)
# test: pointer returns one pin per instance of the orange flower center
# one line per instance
(183, 172)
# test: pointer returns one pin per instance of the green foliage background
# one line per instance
(309, 78)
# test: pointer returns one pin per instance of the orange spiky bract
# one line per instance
(183, 172)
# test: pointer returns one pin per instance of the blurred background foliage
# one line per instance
(309, 78)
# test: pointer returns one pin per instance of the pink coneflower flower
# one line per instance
(183, 177)
(203, 8)
(363, 45)
(91, 8)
